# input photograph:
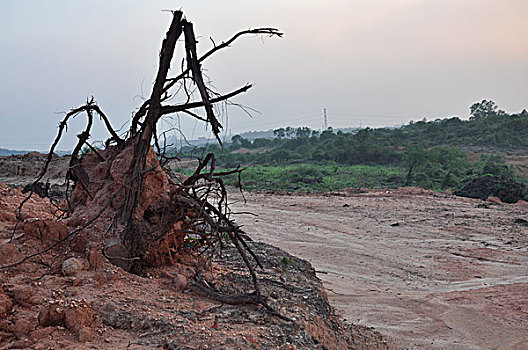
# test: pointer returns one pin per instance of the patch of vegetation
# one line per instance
(319, 178)
(286, 260)
(429, 154)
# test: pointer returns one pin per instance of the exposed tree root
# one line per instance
(138, 216)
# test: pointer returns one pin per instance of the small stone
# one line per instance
(86, 334)
(493, 200)
(117, 254)
(208, 276)
(180, 282)
(72, 266)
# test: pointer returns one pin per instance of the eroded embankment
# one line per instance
(76, 299)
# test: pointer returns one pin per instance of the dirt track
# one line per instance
(429, 271)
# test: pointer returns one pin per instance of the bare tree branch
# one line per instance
(196, 69)
(191, 105)
(172, 81)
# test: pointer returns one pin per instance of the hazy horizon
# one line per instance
(370, 63)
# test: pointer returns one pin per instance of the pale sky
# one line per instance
(369, 62)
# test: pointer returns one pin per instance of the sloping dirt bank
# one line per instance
(428, 270)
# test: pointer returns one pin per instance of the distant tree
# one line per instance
(303, 132)
(239, 141)
(279, 133)
(413, 157)
(493, 164)
(484, 109)
(290, 132)
(258, 143)
(327, 134)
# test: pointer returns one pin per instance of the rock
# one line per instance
(180, 282)
(208, 276)
(73, 314)
(493, 200)
(86, 334)
(5, 303)
(117, 254)
(72, 266)
(78, 317)
(9, 254)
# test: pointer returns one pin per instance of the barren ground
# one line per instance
(429, 271)
(72, 297)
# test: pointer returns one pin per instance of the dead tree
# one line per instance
(124, 195)
(135, 237)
